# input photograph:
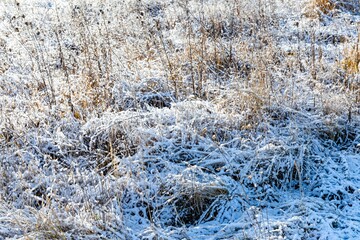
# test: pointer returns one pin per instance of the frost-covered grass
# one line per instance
(146, 119)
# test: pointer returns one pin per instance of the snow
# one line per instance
(179, 120)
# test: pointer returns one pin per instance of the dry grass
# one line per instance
(134, 119)
(315, 9)
(351, 65)
(351, 61)
(325, 6)
(319, 8)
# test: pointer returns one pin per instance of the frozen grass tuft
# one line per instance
(179, 120)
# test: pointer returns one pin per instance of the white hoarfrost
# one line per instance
(179, 119)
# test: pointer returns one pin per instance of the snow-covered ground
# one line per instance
(188, 119)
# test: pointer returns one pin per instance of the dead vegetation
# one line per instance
(178, 120)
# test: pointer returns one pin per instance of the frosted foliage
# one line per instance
(149, 119)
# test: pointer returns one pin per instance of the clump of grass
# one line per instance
(351, 66)
(351, 60)
(192, 198)
(317, 9)
(143, 115)
(325, 6)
